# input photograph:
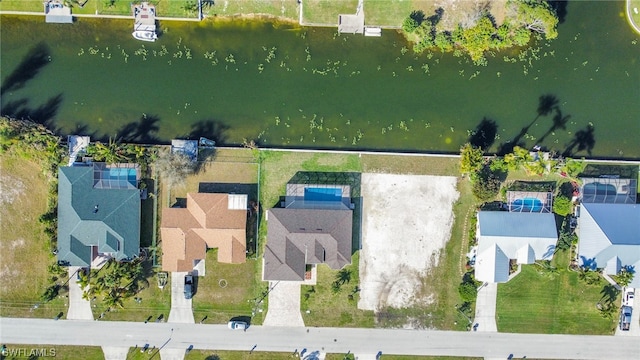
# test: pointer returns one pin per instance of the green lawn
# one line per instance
(535, 302)
(59, 352)
(393, 12)
(335, 309)
(155, 302)
(236, 355)
(327, 11)
(279, 8)
(23, 242)
(227, 290)
(403, 357)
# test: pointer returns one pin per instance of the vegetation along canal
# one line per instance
(282, 85)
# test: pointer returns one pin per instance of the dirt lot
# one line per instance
(407, 221)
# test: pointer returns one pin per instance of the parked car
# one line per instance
(625, 318)
(628, 297)
(188, 286)
(237, 325)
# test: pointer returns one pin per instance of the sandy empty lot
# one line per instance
(407, 220)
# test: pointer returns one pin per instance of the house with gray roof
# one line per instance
(609, 237)
(504, 236)
(98, 213)
(313, 226)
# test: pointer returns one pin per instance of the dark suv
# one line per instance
(188, 286)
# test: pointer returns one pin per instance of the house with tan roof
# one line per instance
(208, 221)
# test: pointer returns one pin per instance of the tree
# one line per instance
(468, 291)
(625, 276)
(410, 24)
(174, 168)
(486, 185)
(471, 159)
(562, 205)
(536, 16)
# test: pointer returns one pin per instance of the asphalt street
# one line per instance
(328, 340)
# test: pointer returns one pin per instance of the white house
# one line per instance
(522, 236)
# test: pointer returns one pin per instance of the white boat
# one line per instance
(145, 35)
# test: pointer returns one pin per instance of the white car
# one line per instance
(628, 297)
(238, 325)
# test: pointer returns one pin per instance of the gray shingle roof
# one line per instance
(87, 216)
(296, 237)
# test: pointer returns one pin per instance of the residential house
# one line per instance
(98, 213)
(313, 226)
(523, 236)
(609, 226)
(208, 221)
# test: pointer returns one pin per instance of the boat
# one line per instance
(144, 27)
(145, 35)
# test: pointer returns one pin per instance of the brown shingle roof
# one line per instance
(206, 222)
(296, 237)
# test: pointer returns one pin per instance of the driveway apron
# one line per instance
(284, 304)
(486, 308)
(115, 353)
(79, 308)
(181, 311)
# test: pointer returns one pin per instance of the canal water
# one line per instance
(287, 86)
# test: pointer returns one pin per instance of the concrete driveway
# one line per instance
(79, 308)
(284, 304)
(115, 353)
(486, 308)
(181, 311)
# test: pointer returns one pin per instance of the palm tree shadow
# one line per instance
(142, 131)
(583, 140)
(29, 67)
(211, 129)
(546, 104)
(43, 114)
(559, 122)
(484, 135)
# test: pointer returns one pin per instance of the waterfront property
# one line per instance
(505, 236)
(98, 213)
(208, 221)
(609, 226)
(313, 226)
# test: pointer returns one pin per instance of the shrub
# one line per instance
(468, 292)
(562, 205)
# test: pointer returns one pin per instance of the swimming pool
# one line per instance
(527, 205)
(322, 194)
(596, 188)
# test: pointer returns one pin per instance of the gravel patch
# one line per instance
(407, 220)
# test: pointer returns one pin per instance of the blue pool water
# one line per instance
(527, 205)
(323, 194)
(123, 174)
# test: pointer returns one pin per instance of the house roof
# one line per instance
(524, 237)
(296, 237)
(92, 216)
(208, 221)
(610, 237)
